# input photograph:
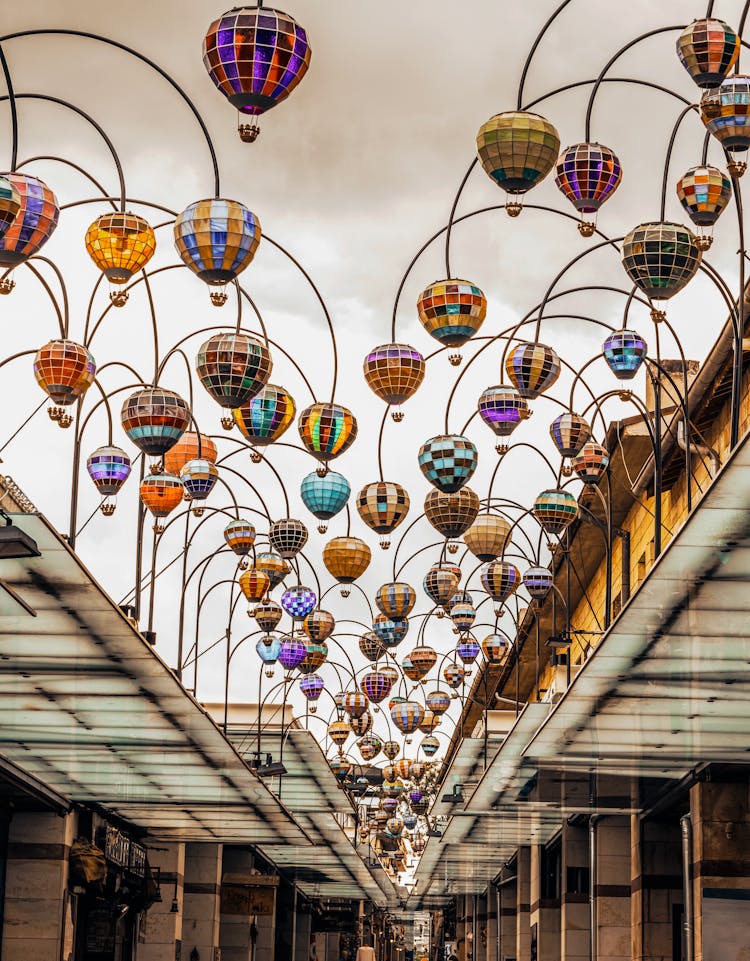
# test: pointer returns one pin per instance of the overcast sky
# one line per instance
(353, 173)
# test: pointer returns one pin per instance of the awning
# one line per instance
(309, 789)
(89, 709)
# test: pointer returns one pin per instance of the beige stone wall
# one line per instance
(36, 894)
(639, 522)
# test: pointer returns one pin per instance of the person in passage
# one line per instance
(366, 952)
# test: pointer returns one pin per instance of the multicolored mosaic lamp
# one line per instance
(451, 514)
(233, 368)
(287, 537)
(394, 373)
(440, 584)
(369, 747)
(569, 432)
(708, 49)
(588, 174)
(268, 649)
(339, 732)
(591, 463)
(500, 579)
(109, 468)
(319, 625)
(265, 417)
(517, 149)
(725, 111)
(240, 537)
(273, 565)
(312, 687)
(154, 419)
(704, 192)
(624, 350)
(120, 244)
(64, 370)
(362, 724)
(407, 716)
(217, 239)
(390, 631)
(430, 745)
(538, 581)
(660, 259)
(34, 222)
(292, 653)
(346, 558)
(255, 56)
(468, 650)
(198, 478)
(396, 599)
(448, 461)
(463, 616)
(376, 685)
(325, 496)
(10, 204)
(190, 446)
(438, 702)
(316, 655)
(502, 408)
(382, 506)
(370, 646)
(495, 648)
(555, 510)
(488, 536)
(161, 493)
(452, 311)
(327, 430)
(355, 703)
(268, 614)
(532, 368)
(254, 584)
(454, 675)
(298, 601)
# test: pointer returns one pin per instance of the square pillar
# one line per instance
(38, 918)
(523, 904)
(656, 882)
(574, 907)
(544, 910)
(200, 913)
(721, 870)
(507, 920)
(162, 929)
(238, 930)
(612, 888)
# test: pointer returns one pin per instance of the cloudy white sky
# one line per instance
(352, 174)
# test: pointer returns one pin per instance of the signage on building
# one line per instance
(248, 894)
(121, 851)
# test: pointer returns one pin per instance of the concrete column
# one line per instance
(200, 914)
(236, 932)
(38, 922)
(544, 912)
(612, 889)
(507, 921)
(574, 909)
(721, 870)
(656, 885)
(489, 923)
(304, 924)
(523, 905)
(162, 928)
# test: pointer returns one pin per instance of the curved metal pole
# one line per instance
(99, 129)
(540, 36)
(605, 70)
(144, 59)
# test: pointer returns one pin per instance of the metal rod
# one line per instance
(593, 947)
(686, 829)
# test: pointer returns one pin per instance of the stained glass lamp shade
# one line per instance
(569, 432)
(383, 505)
(502, 408)
(487, 537)
(298, 601)
(120, 244)
(538, 581)
(325, 496)
(327, 430)
(708, 49)
(555, 509)
(233, 368)
(625, 350)
(154, 419)
(190, 446)
(265, 417)
(256, 56)
(109, 468)
(660, 258)
(500, 579)
(34, 222)
(240, 536)
(517, 149)
(452, 311)
(396, 599)
(451, 514)
(532, 368)
(64, 370)
(394, 372)
(10, 204)
(346, 558)
(587, 175)
(448, 461)
(287, 537)
(216, 239)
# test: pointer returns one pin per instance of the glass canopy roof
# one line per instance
(88, 708)
(665, 691)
